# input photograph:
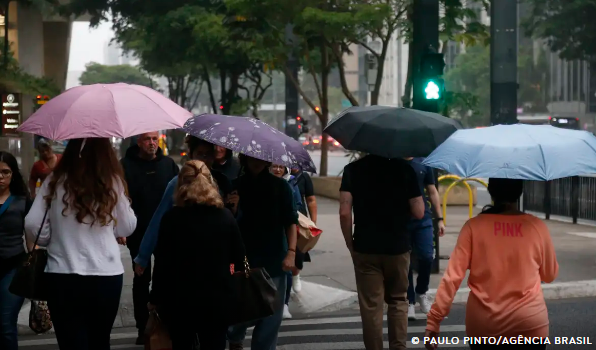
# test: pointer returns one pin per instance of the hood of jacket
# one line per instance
(133, 151)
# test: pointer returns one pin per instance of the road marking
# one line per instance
(352, 331)
(583, 234)
(351, 346)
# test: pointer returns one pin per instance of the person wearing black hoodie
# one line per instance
(225, 163)
(147, 173)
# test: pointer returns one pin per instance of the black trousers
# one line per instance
(510, 346)
(140, 288)
(83, 309)
(209, 332)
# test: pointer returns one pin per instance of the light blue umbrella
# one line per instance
(525, 152)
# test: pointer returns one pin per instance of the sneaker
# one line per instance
(236, 346)
(424, 302)
(296, 284)
(411, 312)
(287, 313)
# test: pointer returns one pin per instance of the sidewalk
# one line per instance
(329, 283)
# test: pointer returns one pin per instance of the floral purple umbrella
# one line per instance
(250, 137)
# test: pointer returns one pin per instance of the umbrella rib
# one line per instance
(155, 103)
(363, 125)
(541, 153)
(58, 127)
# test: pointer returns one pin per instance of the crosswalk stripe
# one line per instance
(347, 319)
(286, 332)
(350, 346)
(355, 331)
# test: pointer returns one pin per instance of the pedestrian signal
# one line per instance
(433, 89)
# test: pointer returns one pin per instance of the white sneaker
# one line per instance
(287, 313)
(412, 312)
(424, 302)
(296, 284)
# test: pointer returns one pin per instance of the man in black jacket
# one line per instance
(147, 173)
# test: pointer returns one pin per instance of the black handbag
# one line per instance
(29, 280)
(254, 295)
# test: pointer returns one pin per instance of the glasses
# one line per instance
(4, 173)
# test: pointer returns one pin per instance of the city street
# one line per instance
(342, 330)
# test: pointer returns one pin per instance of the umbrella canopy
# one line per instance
(391, 132)
(250, 137)
(524, 152)
(105, 110)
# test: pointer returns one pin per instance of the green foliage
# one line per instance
(12, 77)
(568, 27)
(96, 73)
(468, 84)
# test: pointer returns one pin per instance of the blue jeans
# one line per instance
(10, 306)
(264, 335)
(289, 283)
(422, 242)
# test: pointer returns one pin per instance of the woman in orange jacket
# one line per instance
(508, 254)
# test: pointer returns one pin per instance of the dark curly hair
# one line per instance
(18, 187)
(89, 175)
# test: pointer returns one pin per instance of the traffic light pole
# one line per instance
(425, 40)
(291, 127)
(503, 62)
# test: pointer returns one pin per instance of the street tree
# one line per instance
(459, 23)
(468, 84)
(568, 27)
(321, 32)
(96, 73)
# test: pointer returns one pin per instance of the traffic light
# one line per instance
(42, 100)
(317, 109)
(433, 89)
(302, 125)
(221, 107)
(431, 71)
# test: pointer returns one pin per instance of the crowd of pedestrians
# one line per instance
(219, 210)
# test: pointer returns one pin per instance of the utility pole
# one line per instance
(291, 125)
(503, 62)
(425, 44)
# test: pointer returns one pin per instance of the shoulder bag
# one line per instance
(254, 295)
(29, 280)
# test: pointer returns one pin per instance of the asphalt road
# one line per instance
(342, 330)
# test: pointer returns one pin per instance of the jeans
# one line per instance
(264, 335)
(422, 242)
(140, 290)
(289, 283)
(10, 306)
(83, 309)
(382, 279)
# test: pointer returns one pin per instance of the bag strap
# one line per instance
(39, 231)
(6, 204)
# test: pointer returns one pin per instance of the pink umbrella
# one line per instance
(105, 110)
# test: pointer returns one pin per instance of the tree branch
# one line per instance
(296, 84)
(342, 74)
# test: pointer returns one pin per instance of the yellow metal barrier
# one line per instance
(465, 182)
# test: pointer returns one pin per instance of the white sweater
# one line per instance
(75, 248)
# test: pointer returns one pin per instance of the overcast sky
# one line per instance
(87, 45)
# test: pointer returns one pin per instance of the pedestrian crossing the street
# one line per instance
(321, 333)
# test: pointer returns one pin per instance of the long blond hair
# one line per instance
(196, 186)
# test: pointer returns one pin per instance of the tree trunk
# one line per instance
(406, 99)
(324, 117)
(374, 96)
(222, 85)
(207, 79)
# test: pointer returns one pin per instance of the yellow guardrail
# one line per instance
(454, 183)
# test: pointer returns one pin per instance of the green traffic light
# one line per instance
(432, 91)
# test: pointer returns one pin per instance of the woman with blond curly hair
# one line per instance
(198, 240)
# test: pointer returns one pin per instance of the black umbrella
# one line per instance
(391, 132)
